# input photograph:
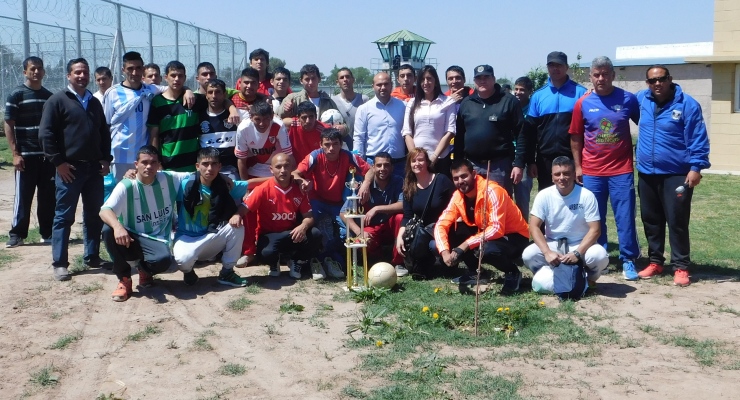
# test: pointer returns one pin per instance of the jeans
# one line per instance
(152, 255)
(499, 172)
(522, 193)
(89, 184)
(332, 228)
(271, 245)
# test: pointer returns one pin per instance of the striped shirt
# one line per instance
(24, 106)
(147, 210)
(178, 131)
(126, 110)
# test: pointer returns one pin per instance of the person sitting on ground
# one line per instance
(568, 211)
(383, 212)
(304, 130)
(138, 221)
(491, 223)
(277, 204)
(421, 187)
(208, 221)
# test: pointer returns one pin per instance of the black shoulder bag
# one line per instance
(417, 236)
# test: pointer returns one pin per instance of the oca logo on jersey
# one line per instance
(283, 216)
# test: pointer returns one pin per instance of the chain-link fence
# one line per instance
(101, 31)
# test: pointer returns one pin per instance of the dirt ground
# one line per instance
(304, 355)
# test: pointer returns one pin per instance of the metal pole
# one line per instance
(177, 41)
(197, 46)
(26, 30)
(233, 58)
(246, 62)
(151, 40)
(95, 51)
(64, 46)
(218, 53)
(77, 28)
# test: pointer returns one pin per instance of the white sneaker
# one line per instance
(45, 241)
(333, 268)
(317, 270)
(243, 261)
(401, 271)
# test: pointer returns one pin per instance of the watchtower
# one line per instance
(402, 47)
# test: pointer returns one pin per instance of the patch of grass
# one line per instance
(66, 340)
(729, 310)
(6, 257)
(172, 345)
(239, 304)
(201, 342)
(369, 295)
(253, 289)
(109, 396)
(93, 287)
(232, 369)
(705, 351)
(291, 308)
(45, 377)
(150, 330)
(479, 384)
(271, 330)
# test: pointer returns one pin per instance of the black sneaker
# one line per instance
(190, 278)
(511, 282)
(468, 279)
(14, 241)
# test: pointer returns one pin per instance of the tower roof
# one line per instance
(404, 35)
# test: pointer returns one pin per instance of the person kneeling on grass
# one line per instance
(277, 203)
(208, 221)
(138, 221)
(570, 212)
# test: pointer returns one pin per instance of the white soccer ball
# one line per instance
(382, 275)
(332, 117)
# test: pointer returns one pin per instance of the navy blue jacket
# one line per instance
(672, 139)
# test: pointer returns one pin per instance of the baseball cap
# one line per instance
(557, 57)
(481, 70)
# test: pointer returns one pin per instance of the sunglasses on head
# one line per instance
(662, 79)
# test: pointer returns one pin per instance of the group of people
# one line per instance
(251, 174)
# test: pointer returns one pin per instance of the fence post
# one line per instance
(218, 53)
(26, 30)
(151, 39)
(77, 28)
(64, 46)
(177, 41)
(233, 59)
(197, 47)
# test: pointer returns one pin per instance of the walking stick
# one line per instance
(480, 250)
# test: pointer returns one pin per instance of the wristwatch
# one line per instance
(577, 254)
(458, 251)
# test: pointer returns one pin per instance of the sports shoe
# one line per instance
(296, 266)
(681, 278)
(629, 272)
(45, 241)
(401, 271)
(511, 282)
(190, 278)
(652, 270)
(243, 261)
(467, 279)
(145, 280)
(333, 268)
(123, 290)
(317, 270)
(275, 269)
(14, 241)
(230, 278)
(61, 274)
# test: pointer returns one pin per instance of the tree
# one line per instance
(538, 75)
(504, 81)
(577, 73)
(275, 63)
(362, 75)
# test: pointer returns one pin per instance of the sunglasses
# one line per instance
(662, 79)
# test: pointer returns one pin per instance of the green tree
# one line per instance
(275, 63)
(577, 73)
(363, 76)
(504, 81)
(538, 75)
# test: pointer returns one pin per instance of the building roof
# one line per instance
(405, 36)
(641, 62)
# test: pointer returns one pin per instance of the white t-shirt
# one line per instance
(566, 217)
(262, 146)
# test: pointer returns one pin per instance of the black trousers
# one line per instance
(544, 169)
(661, 206)
(271, 245)
(501, 252)
(38, 173)
(154, 256)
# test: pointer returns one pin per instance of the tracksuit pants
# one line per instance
(189, 249)
(151, 255)
(38, 173)
(271, 245)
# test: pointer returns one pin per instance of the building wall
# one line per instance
(726, 28)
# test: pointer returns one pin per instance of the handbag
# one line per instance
(417, 236)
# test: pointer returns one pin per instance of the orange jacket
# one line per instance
(503, 216)
(400, 95)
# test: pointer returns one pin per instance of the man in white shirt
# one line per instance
(570, 212)
(348, 101)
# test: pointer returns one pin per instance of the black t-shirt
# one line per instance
(469, 208)
(443, 190)
(217, 131)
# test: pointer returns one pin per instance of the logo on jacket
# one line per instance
(617, 107)
(205, 127)
(227, 124)
(676, 115)
(271, 139)
(297, 201)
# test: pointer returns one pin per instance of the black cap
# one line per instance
(481, 70)
(557, 57)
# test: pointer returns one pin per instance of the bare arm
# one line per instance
(442, 146)
(241, 164)
(553, 258)
(154, 136)
(119, 232)
(18, 161)
(409, 142)
(576, 147)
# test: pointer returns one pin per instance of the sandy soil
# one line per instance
(303, 356)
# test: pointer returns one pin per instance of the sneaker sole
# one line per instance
(145, 285)
(119, 299)
(228, 283)
(630, 280)
(317, 277)
(294, 276)
(274, 274)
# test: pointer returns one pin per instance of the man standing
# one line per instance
(348, 101)
(216, 130)
(259, 59)
(104, 80)
(549, 115)
(23, 111)
(280, 87)
(378, 125)
(568, 212)
(406, 79)
(481, 218)
(523, 89)
(76, 139)
(310, 78)
(248, 93)
(152, 74)
(602, 151)
(672, 149)
(455, 77)
(488, 123)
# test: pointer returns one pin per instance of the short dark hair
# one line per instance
(459, 163)
(103, 71)
(251, 73)
(309, 69)
(456, 68)
(208, 152)
(205, 64)
(305, 107)
(148, 150)
(331, 134)
(216, 83)
(562, 161)
(132, 56)
(384, 154)
(260, 52)
(33, 60)
(282, 71)
(524, 82)
(407, 66)
(261, 109)
(661, 66)
(154, 67)
(174, 66)
(346, 69)
(74, 61)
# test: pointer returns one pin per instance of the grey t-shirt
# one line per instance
(348, 110)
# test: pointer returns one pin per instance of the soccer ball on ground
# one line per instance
(332, 117)
(382, 275)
